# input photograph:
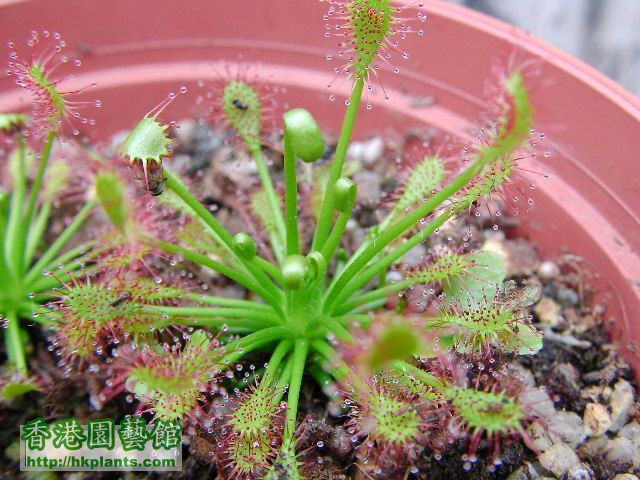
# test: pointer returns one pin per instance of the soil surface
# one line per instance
(587, 404)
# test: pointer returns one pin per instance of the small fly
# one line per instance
(156, 188)
(240, 105)
(155, 181)
(126, 296)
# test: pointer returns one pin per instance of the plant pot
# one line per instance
(138, 50)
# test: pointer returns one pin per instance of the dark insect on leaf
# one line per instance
(240, 105)
(156, 188)
(126, 296)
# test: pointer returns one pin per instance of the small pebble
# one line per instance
(369, 189)
(548, 311)
(559, 459)
(520, 257)
(580, 471)
(548, 270)
(621, 402)
(596, 419)
(570, 378)
(565, 339)
(620, 454)
(603, 376)
(539, 436)
(539, 403)
(632, 432)
(597, 394)
(394, 277)
(523, 374)
(368, 151)
(625, 476)
(594, 446)
(567, 427)
(525, 472)
(568, 296)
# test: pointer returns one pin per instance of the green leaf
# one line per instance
(4, 209)
(530, 341)
(147, 142)
(243, 108)
(481, 281)
(14, 159)
(110, 192)
(398, 341)
(17, 389)
(423, 179)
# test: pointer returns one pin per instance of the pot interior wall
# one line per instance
(138, 50)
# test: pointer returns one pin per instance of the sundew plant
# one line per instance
(315, 310)
(30, 193)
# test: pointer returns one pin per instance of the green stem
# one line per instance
(220, 232)
(255, 147)
(396, 230)
(37, 182)
(348, 320)
(326, 211)
(239, 348)
(276, 359)
(337, 232)
(36, 232)
(323, 379)
(269, 268)
(335, 327)
(277, 245)
(420, 375)
(14, 241)
(264, 280)
(291, 198)
(6, 277)
(75, 252)
(60, 242)
(265, 319)
(14, 343)
(65, 275)
(229, 302)
(222, 235)
(283, 381)
(373, 295)
(300, 351)
(235, 326)
(332, 357)
(234, 275)
(382, 264)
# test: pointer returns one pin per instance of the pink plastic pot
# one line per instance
(138, 50)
